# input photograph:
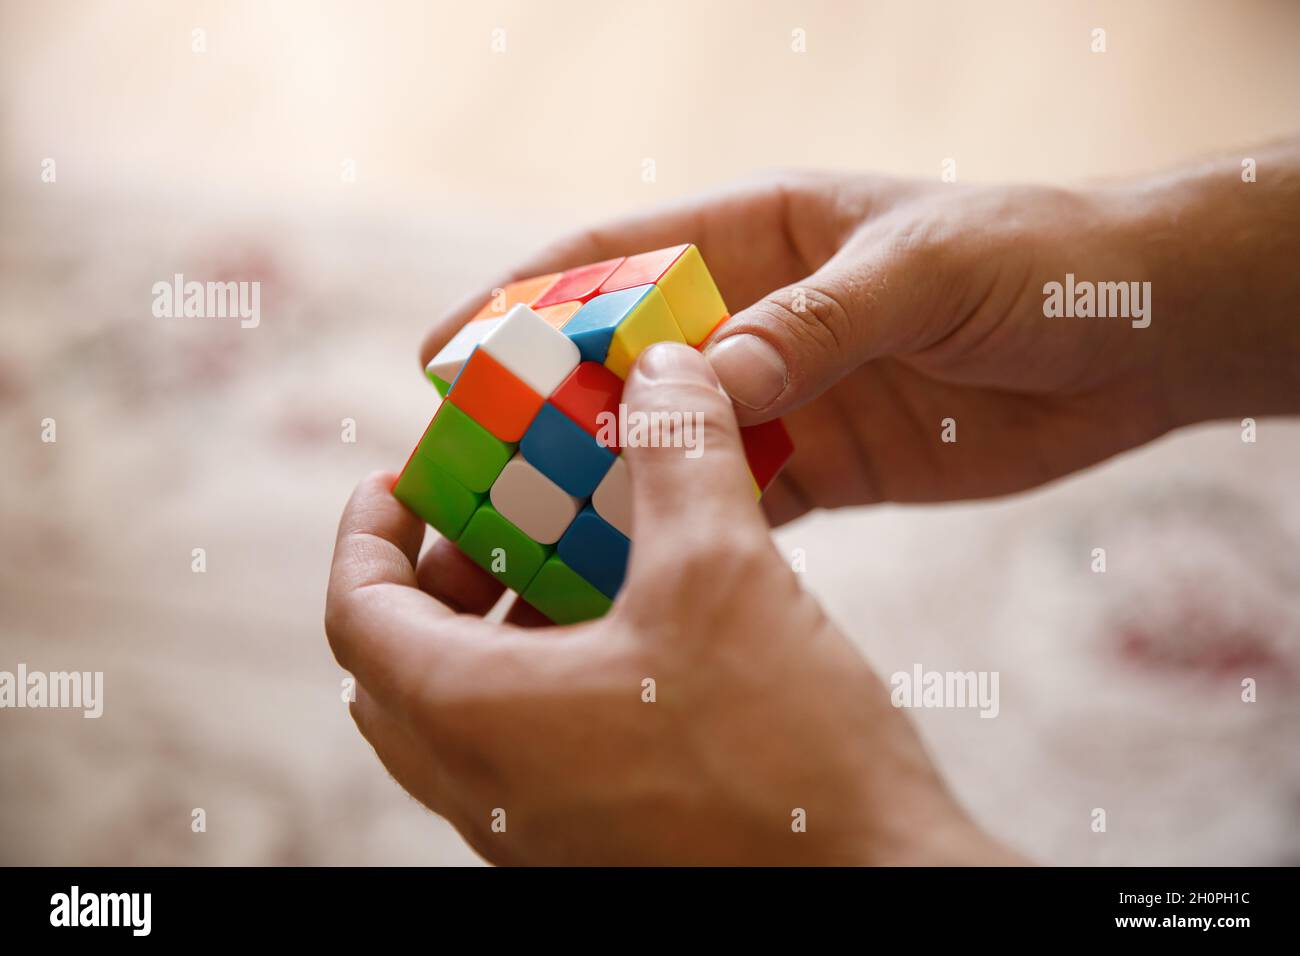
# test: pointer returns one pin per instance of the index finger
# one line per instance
(397, 639)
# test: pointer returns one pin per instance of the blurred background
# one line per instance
(370, 163)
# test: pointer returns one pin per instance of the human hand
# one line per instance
(761, 706)
(877, 310)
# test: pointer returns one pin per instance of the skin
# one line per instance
(921, 302)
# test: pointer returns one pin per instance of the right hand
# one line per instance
(924, 302)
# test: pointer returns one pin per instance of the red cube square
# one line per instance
(591, 389)
(767, 448)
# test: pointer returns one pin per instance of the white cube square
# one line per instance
(452, 356)
(539, 354)
(613, 497)
(532, 502)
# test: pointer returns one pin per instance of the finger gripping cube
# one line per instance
(515, 466)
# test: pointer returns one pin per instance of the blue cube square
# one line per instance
(596, 550)
(592, 327)
(564, 452)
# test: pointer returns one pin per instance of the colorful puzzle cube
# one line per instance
(515, 467)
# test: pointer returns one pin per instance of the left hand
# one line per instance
(761, 708)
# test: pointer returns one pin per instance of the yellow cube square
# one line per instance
(649, 322)
(692, 296)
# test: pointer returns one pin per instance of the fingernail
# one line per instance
(751, 370)
(673, 362)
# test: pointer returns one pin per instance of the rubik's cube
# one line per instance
(512, 467)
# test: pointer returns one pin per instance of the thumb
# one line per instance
(690, 482)
(794, 344)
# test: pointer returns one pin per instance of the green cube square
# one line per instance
(563, 595)
(435, 496)
(465, 449)
(503, 550)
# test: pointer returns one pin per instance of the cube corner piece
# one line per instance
(536, 352)
(446, 365)
(436, 497)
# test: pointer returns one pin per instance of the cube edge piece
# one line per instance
(485, 561)
(554, 296)
(520, 343)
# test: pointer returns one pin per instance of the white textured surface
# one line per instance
(532, 502)
(538, 353)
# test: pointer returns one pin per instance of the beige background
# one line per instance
(1118, 691)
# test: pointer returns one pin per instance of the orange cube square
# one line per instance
(493, 396)
(557, 316)
(526, 291)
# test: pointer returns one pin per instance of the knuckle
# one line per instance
(813, 315)
(794, 182)
(925, 244)
(825, 310)
(766, 180)
(938, 257)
